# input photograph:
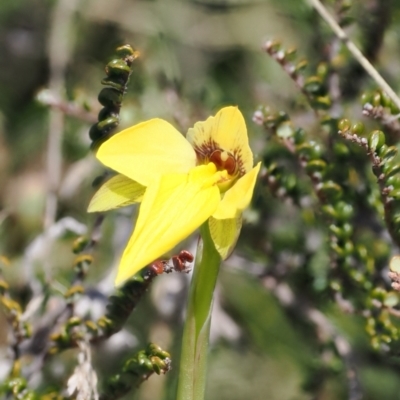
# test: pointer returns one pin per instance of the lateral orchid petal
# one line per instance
(144, 151)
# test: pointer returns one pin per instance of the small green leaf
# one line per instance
(376, 140)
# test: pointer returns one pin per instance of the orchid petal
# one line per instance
(225, 233)
(226, 131)
(238, 197)
(143, 151)
(171, 210)
(119, 191)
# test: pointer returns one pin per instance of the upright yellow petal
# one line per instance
(226, 131)
(225, 233)
(118, 191)
(172, 209)
(238, 197)
(144, 151)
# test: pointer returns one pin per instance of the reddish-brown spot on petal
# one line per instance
(223, 161)
(230, 165)
(215, 158)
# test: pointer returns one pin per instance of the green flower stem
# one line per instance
(193, 367)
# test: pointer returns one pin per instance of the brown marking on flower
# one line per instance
(223, 160)
(205, 150)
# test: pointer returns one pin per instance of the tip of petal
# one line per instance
(225, 233)
(122, 276)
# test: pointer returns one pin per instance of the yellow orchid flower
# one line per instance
(181, 183)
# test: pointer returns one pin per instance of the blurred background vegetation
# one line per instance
(278, 331)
